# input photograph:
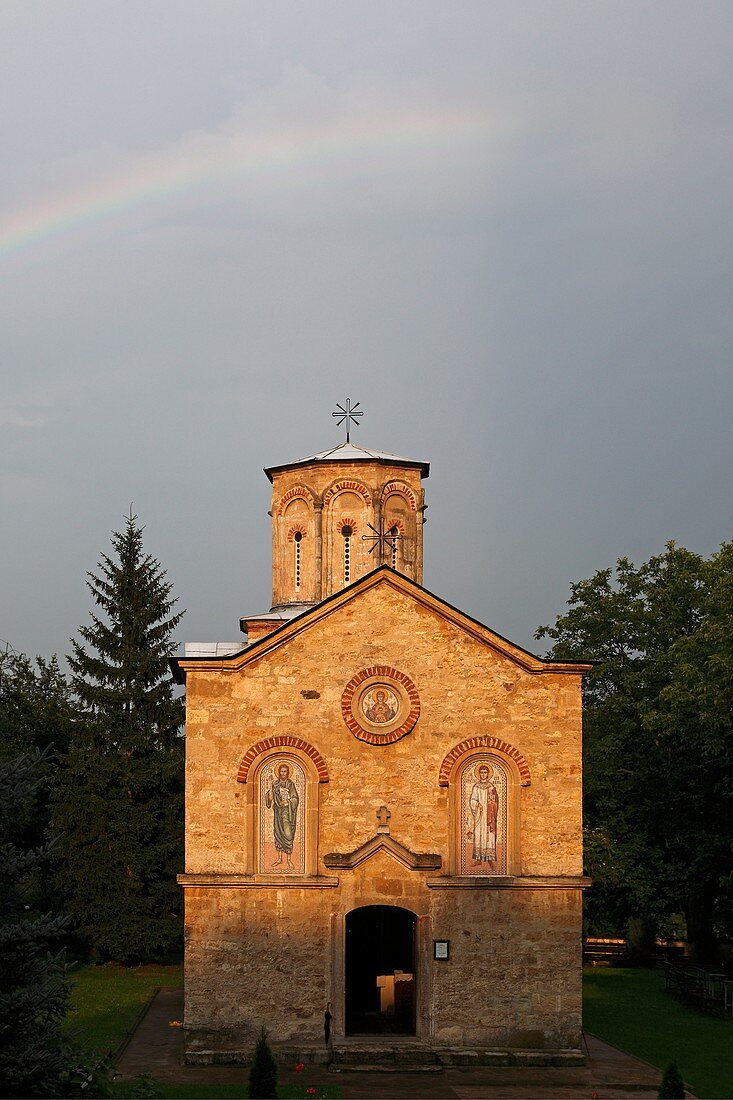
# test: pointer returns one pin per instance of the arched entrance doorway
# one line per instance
(380, 970)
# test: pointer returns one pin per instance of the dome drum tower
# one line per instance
(328, 513)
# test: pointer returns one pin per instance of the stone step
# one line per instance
(373, 1054)
(466, 1058)
(394, 1067)
(360, 1056)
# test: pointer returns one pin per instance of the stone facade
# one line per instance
(460, 805)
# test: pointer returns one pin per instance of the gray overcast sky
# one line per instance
(505, 228)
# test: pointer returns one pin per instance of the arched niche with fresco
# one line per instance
(485, 816)
(281, 811)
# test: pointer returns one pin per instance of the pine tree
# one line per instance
(119, 804)
(34, 990)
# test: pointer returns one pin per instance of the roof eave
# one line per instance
(261, 645)
(423, 467)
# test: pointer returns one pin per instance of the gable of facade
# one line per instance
(471, 686)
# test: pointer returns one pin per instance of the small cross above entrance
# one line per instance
(383, 816)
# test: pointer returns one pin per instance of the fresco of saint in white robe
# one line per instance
(483, 805)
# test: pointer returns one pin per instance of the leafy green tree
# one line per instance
(119, 802)
(655, 792)
(36, 709)
(36, 712)
(34, 990)
(692, 723)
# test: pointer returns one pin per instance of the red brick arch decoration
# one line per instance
(400, 488)
(299, 492)
(286, 741)
(484, 742)
(347, 486)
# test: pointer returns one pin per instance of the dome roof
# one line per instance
(350, 452)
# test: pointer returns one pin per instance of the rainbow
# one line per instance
(181, 170)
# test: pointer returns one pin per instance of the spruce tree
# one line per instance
(34, 991)
(119, 804)
(35, 707)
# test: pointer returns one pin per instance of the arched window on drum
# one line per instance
(293, 552)
(347, 534)
(345, 516)
(298, 558)
(400, 525)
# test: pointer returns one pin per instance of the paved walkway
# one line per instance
(610, 1074)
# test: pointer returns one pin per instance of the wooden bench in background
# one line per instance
(599, 951)
(607, 951)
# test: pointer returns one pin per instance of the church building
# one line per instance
(383, 801)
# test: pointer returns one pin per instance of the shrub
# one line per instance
(672, 1086)
(263, 1072)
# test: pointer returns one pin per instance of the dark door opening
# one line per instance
(380, 971)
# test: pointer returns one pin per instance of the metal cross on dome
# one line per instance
(349, 414)
(381, 538)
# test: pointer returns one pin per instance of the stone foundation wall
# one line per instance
(514, 977)
(274, 958)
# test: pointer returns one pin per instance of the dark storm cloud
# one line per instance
(504, 228)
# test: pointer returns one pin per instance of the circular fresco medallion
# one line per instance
(380, 705)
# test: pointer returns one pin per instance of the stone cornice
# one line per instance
(509, 882)
(258, 882)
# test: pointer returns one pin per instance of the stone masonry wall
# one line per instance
(267, 954)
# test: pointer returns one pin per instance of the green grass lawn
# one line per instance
(106, 999)
(105, 1003)
(629, 1008)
